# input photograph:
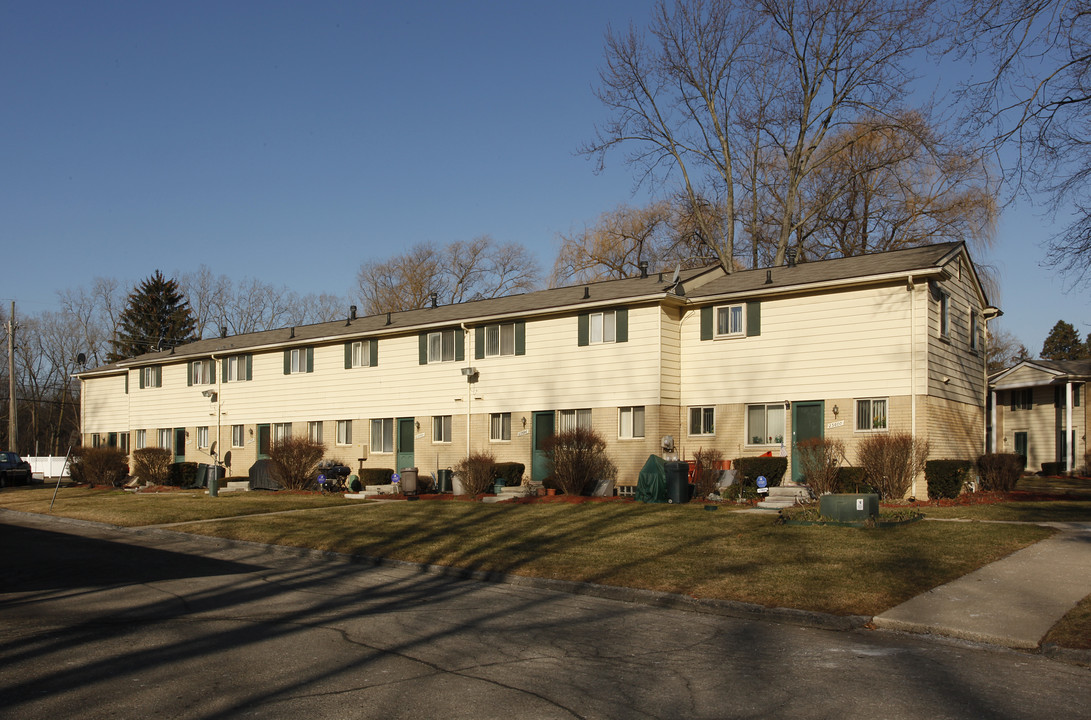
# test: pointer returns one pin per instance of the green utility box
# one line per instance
(849, 508)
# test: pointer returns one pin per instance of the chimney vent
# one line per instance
(435, 299)
(291, 334)
(586, 292)
(223, 332)
(768, 277)
(388, 318)
(643, 269)
(792, 257)
(352, 312)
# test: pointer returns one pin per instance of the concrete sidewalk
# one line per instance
(1012, 602)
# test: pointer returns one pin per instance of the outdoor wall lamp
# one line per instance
(836, 410)
(524, 421)
(418, 424)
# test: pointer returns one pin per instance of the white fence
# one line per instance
(48, 466)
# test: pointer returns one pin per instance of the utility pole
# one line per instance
(13, 421)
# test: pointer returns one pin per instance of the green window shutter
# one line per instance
(189, 374)
(1012, 399)
(460, 346)
(373, 352)
(159, 377)
(521, 337)
(621, 325)
(706, 322)
(423, 342)
(249, 367)
(479, 342)
(583, 330)
(212, 371)
(348, 355)
(140, 377)
(310, 359)
(287, 362)
(753, 319)
(126, 383)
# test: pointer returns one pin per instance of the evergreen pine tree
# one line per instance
(156, 317)
(1063, 343)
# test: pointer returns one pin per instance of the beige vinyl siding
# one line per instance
(954, 371)
(670, 359)
(956, 431)
(1025, 376)
(173, 404)
(853, 342)
(1041, 423)
(104, 404)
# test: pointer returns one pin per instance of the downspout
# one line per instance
(218, 364)
(913, 366)
(1069, 437)
(469, 390)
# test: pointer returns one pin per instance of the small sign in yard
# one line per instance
(395, 478)
(763, 484)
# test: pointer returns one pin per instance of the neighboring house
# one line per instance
(1038, 409)
(747, 363)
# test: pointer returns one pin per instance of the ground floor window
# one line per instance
(164, 438)
(141, 440)
(202, 437)
(630, 422)
(282, 431)
(500, 426)
(765, 424)
(702, 421)
(382, 435)
(441, 429)
(238, 436)
(344, 432)
(871, 414)
(572, 419)
(314, 431)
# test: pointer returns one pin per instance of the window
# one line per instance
(572, 419)
(441, 346)
(164, 438)
(975, 332)
(151, 377)
(361, 354)
(730, 321)
(603, 327)
(282, 431)
(765, 424)
(630, 422)
(297, 361)
(1059, 396)
(344, 432)
(200, 372)
(702, 421)
(441, 429)
(944, 315)
(499, 340)
(382, 435)
(314, 431)
(141, 441)
(1022, 399)
(238, 436)
(238, 368)
(500, 426)
(202, 437)
(871, 414)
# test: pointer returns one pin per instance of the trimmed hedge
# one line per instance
(853, 481)
(183, 474)
(1000, 471)
(749, 468)
(511, 473)
(98, 466)
(1053, 469)
(945, 478)
(376, 476)
(152, 464)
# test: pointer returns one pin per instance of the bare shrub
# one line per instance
(295, 462)
(706, 472)
(891, 461)
(477, 471)
(999, 471)
(98, 466)
(152, 464)
(820, 462)
(578, 460)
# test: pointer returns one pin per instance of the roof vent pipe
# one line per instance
(223, 332)
(660, 276)
(435, 299)
(792, 257)
(388, 318)
(643, 269)
(586, 292)
(291, 334)
(768, 277)
(352, 312)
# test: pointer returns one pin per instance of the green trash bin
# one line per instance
(443, 480)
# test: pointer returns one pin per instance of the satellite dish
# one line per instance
(212, 450)
(677, 272)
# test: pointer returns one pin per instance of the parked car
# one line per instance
(13, 470)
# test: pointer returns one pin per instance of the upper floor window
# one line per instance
(361, 353)
(151, 377)
(944, 315)
(499, 340)
(441, 346)
(871, 414)
(730, 321)
(975, 332)
(603, 327)
(201, 372)
(238, 368)
(1022, 399)
(298, 360)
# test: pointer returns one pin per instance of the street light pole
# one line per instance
(13, 419)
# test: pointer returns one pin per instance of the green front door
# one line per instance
(542, 431)
(808, 420)
(263, 442)
(179, 445)
(406, 429)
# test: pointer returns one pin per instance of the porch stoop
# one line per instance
(786, 496)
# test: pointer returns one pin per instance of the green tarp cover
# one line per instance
(651, 486)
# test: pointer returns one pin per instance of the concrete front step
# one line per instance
(786, 496)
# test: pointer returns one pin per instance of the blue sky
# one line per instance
(293, 141)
